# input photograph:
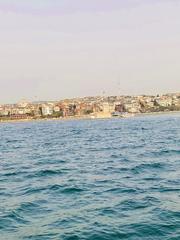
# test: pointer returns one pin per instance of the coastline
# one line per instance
(85, 117)
(157, 113)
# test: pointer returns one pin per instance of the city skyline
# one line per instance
(51, 51)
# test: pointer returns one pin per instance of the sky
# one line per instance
(55, 49)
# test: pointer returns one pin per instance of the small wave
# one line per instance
(171, 151)
(7, 225)
(45, 173)
(72, 190)
(77, 131)
(107, 235)
(13, 141)
(31, 191)
(147, 166)
(72, 237)
(27, 207)
(14, 173)
(151, 199)
(108, 211)
(153, 179)
(121, 190)
(48, 172)
(168, 189)
(14, 218)
(131, 204)
(146, 230)
(55, 187)
(31, 209)
(161, 153)
(44, 236)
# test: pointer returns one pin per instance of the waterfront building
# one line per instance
(47, 110)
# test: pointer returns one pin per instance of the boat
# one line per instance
(122, 114)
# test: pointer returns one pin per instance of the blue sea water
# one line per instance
(91, 179)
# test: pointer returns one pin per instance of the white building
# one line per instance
(47, 110)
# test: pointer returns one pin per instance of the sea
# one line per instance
(91, 179)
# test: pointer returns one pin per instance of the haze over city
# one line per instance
(62, 49)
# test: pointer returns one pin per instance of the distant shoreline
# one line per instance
(85, 117)
(157, 113)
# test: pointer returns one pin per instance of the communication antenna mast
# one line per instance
(119, 88)
(103, 94)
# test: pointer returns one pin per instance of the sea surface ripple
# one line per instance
(91, 179)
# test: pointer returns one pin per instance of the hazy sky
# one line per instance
(53, 49)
